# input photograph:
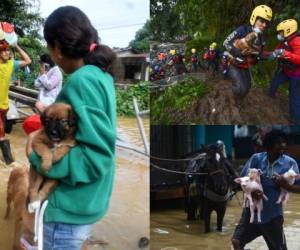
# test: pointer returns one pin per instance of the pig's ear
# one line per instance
(237, 180)
(259, 171)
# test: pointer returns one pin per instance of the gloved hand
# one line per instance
(240, 59)
(278, 52)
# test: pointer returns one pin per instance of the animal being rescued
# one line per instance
(246, 44)
(51, 143)
(17, 193)
(250, 184)
(290, 177)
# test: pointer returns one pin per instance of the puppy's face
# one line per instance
(59, 121)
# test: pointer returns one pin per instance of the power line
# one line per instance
(121, 26)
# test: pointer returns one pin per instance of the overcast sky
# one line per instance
(116, 20)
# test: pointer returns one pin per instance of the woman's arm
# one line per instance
(51, 79)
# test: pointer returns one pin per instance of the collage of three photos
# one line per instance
(149, 124)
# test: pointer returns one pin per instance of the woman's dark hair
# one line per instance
(71, 30)
(273, 137)
(45, 58)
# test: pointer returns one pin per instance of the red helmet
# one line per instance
(3, 45)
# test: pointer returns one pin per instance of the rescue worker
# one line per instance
(213, 57)
(288, 54)
(7, 67)
(194, 60)
(239, 69)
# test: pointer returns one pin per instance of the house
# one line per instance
(132, 66)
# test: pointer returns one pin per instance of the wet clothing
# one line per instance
(212, 57)
(271, 189)
(242, 80)
(271, 227)
(294, 94)
(49, 85)
(179, 64)
(65, 236)
(289, 70)
(272, 231)
(194, 62)
(240, 71)
(291, 61)
(86, 173)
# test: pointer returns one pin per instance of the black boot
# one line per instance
(6, 152)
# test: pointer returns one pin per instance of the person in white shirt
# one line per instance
(49, 82)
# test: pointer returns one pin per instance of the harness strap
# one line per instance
(211, 195)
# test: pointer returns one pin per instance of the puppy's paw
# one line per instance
(33, 206)
(46, 165)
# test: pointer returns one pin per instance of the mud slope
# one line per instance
(218, 107)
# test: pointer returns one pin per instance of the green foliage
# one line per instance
(178, 97)
(194, 19)
(125, 98)
(24, 14)
(34, 49)
(141, 40)
(165, 23)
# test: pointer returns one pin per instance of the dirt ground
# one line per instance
(218, 107)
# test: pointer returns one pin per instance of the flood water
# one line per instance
(171, 231)
(128, 217)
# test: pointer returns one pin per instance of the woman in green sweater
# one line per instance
(86, 173)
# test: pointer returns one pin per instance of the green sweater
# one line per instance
(86, 173)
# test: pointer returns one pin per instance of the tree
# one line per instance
(141, 40)
(165, 22)
(23, 14)
(27, 21)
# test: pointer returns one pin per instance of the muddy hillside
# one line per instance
(218, 107)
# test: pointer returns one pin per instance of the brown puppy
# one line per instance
(17, 193)
(52, 142)
(245, 45)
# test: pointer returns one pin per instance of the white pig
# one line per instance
(250, 184)
(290, 176)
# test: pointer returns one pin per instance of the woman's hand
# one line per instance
(29, 142)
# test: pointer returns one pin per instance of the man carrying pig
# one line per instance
(272, 161)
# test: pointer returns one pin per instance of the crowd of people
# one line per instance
(177, 62)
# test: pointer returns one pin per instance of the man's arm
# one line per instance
(228, 43)
(283, 184)
(25, 58)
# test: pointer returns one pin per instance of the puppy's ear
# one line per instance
(43, 118)
(72, 118)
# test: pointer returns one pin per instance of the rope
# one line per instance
(133, 149)
(174, 171)
(199, 156)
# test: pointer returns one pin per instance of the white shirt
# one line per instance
(49, 85)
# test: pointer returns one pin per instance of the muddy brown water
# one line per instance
(128, 217)
(170, 230)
